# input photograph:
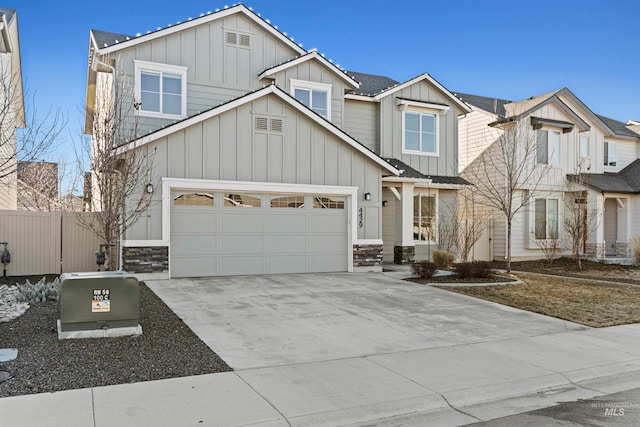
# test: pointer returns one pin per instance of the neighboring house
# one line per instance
(38, 186)
(270, 158)
(12, 98)
(598, 153)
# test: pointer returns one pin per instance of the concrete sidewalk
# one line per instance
(454, 373)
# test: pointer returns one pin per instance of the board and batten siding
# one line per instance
(226, 147)
(216, 71)
(446, 163)
(474, 136)
(362, 121)
(312, 71)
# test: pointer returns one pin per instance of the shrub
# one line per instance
(443, 259)
(39, 292)
(474, 269)
(424, 269)
(635, 246)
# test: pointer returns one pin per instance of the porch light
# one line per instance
(385, 203)
(149, 188)
(367, 196)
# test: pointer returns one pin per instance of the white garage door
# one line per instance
(222, 233)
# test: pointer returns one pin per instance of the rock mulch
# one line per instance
(166, 349)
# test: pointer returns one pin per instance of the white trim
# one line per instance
(404, 104)
(210, 17)
(312, 86)
(436, 116)
(159, 68)
(355, 97)
(139, 243)
(436, 207)
(172, 184)
(271, 89)
(312, 55)
(367, 242)
(464, 107)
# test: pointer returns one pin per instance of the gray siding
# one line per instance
(225, 147)
(217, 72)
(362, 121)
(391, 131)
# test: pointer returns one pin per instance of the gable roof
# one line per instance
(618, 128)
(491, 105)
(407, 171)
(311, 56)
(249, 97)
(625, 181)
(373, 89)
(112, 42)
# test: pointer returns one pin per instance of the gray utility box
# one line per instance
(100, 300)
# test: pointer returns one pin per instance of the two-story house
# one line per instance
(13, 113)
(271, 159)
(575, 146)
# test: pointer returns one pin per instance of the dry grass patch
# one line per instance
(588, 302)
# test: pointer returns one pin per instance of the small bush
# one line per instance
(474, 269)
(443, 259)
(39, 292)
(424, 269)
(635, 246)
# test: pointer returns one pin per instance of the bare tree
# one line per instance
(38, 186)
(25, 135)
(506, 175)
(579, 220)
(119, 178)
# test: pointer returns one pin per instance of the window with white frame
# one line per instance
(420, 132)
(610, 153)
(161, 89)
(548, 147)
(316, 96)
(424, 217)
(584, 146)
(546, 219)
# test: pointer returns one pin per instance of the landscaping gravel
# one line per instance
(167, 348)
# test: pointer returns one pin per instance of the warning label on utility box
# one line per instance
(101, 302)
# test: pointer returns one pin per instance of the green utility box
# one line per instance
(98, 301)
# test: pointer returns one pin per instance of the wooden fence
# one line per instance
(46, 243)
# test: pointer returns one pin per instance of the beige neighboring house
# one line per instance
(38, 186)
(270, 158)
(11, 92)
(571, 141)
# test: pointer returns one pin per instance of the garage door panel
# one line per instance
(241, 244)
(286, 223)
(286, 263)
(326, 242)
(194, 222)
(194, 244)
(239, 265)
(237, 220)
(193, 266)
(327, 222)
(286, 243)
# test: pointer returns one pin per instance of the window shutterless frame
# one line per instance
(316, 96)
(161, 89)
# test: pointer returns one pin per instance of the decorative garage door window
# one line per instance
(194, 199)
(320, 202)
(287, 201)
(241, 200)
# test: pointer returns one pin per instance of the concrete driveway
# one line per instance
(261, 321)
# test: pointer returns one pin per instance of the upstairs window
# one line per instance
(316, 96)
(548, 147)
(420, 132)
(161, 89)
(610, 154)
(584, 146)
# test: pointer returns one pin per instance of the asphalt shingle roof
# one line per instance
(492, 105)
(105, 38)
(9, 13)
(625, 181)
(407, 171)
(370, 84)
(618, 127)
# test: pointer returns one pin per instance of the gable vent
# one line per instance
(245, 40)
(276, 125)
(232, 38)
(262, 123)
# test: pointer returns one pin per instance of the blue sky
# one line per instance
(508, 49)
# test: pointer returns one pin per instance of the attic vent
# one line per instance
(232, 38)
(245, 40)
(262, 123)
(276, 125)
